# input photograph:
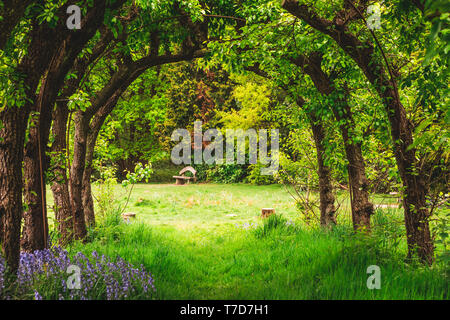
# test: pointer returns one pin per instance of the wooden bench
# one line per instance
(182, 179)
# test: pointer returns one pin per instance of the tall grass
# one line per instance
(187, 238)
(276, 260)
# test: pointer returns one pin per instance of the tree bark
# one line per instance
(12, 138)
(414, 198)
(84, 144)
(94, 130)
(88, 201)
(60, 183)
(76, 174)
(35, 231)
(327, 208)
(362, 208)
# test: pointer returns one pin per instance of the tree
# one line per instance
(19, 93)
(89, 119)
(382, 78)
(35, 231)
(362, 208)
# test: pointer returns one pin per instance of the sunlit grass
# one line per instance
(192, 240)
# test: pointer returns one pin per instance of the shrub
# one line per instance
(255, 176)
(105, 191)
(224, 173)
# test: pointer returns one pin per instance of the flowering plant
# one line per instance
(43, 274)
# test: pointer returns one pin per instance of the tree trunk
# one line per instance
(35, 229)
(80, 190)
(76, 174)
(94, 130)
(60, 183)
(88, 201)
(327, 199)
(35, 232)
(327, 208)
(2, 214)
(12, 136)
(362, 208)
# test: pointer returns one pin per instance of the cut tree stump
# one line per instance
(127, 216)
(266, 212)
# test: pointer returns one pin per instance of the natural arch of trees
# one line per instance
(57, 82)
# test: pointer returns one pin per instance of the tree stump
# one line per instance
(266, 212)
(127, 216)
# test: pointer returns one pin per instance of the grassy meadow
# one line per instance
(207, 241)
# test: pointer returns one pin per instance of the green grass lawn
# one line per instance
(193, 240)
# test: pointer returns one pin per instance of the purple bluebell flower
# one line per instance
(37, 296)
(100, 278)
